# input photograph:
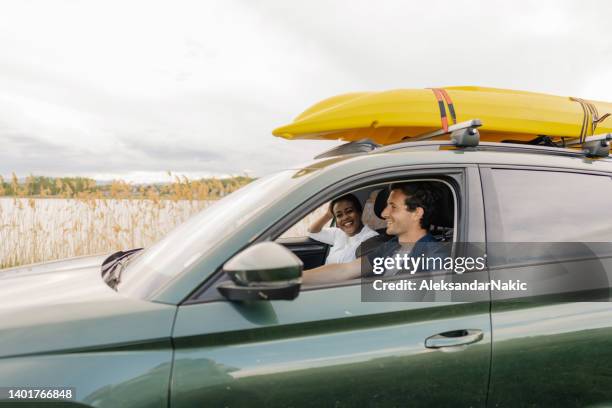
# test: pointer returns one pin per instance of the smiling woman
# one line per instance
(349, 232)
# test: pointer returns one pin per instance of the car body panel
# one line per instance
(551, 354)
(327, 347)
(55, 306)
(78, 262)
(68, 328)
(135, 376)
(552, 345)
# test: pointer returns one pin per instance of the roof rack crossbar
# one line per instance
(606, 136)
(594, 146)
(487, 146)
(462, 134)
(474, 123)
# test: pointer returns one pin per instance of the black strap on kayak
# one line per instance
(590, 118)
(443, 118)
(443, 96)
(583, 128)
(540, 140)
(593, 116)
(449, 103)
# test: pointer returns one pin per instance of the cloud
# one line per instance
(122, 87)
(172, 152)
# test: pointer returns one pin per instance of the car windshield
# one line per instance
(187, 243)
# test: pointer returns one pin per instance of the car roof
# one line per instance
(486, 153)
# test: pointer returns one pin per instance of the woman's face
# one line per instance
(347, 217)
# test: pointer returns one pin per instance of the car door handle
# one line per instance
(454, 338)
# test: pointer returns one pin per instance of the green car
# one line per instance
(214, 314)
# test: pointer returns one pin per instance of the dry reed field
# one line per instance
(37, 230)
(76, 223)
(71, 220)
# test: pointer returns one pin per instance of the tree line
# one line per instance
(83, 187)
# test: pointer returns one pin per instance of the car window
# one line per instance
(344, 250)
(313, 254)
(190, 241)
(369, 218)
(300, 229)
(550, 206)
(547, 216)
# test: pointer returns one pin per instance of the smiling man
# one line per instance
(408, 215)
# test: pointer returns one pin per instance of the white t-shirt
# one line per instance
(343, 247)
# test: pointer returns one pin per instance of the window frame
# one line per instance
(464, 181)
(492, 213)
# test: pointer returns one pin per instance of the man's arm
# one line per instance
(332, 273)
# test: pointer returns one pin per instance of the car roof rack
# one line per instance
(462, 134)
(594, 146)
(466, 135)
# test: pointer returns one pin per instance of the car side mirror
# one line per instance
(264, 271)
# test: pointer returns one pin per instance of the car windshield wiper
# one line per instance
(114, 265)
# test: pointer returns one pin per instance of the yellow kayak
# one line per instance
(392, 116)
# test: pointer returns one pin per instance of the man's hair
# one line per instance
(347, 197)
(418, 194)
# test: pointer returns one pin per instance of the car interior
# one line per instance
(374, 200)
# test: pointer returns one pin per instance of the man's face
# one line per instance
(347, 218)
(399, 219)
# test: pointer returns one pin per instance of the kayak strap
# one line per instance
(590, 118)
(541, 140)
(449, 103)
(443, 96)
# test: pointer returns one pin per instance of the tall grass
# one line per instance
(97, 220)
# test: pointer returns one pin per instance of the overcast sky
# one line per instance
(134, 89)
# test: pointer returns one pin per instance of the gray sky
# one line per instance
(133, 89)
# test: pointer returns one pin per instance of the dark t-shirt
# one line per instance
(426, 247)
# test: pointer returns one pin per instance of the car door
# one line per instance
(312, 253)
(327, 347)
(552, 344)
